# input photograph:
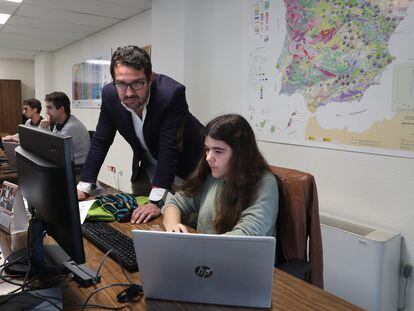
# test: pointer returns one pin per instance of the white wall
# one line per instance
(44, 75)
(19, 70)
(200, 43)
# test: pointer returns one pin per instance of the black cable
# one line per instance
(404, 295)
(3, 277)
(8, 263)
(9, 281)
(27, 282)
(29, 269)
(26, 256)
(101, 265)
(131, 283)
(106, 307)
(85, 304)
(119, 262)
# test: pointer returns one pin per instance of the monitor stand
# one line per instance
(44, 259)
(56, 261)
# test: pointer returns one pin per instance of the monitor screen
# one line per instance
(46, 180)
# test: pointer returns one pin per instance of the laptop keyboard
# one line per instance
(108, 238)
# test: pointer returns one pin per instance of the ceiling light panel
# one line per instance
(4, 18)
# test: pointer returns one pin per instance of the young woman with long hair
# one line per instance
(231, 189)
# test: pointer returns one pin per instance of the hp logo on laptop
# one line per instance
(203, 271)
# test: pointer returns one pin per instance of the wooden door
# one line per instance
(10, 105)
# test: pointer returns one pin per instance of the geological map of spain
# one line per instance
(332, 72)
(335, 50)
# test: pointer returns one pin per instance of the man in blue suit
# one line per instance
(150, 111)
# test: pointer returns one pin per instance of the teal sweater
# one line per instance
(257, 219)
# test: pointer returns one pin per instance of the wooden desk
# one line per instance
(289, 293)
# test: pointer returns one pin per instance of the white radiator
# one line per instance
(361, 264)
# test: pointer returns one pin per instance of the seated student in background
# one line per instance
(31, 110)
(231, 189)
(58, 112)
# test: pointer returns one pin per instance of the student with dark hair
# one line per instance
(58, 112)
(150, 112)
(232, 188)
(31, 110)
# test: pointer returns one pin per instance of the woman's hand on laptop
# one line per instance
(172, 219)
(176, 228)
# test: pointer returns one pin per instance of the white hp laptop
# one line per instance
(205, 268)
(10, 153)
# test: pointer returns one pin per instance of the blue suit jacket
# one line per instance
(172, 134)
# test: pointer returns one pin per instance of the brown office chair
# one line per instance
(298, 236)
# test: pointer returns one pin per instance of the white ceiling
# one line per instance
(38, 26)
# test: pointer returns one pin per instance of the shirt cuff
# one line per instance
(157, 194)
(84, 186)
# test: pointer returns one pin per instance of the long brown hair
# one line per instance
(247, 167)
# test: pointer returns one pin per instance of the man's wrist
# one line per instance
(160, 203)
(84, 186)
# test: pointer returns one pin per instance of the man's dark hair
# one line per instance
(33, 103)
(132, 56)
(59, 99)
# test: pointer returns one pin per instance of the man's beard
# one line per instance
(136, 99)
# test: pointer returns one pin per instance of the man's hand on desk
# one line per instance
(144, 213)
(82, 195)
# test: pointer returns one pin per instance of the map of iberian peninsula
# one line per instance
(334, 50)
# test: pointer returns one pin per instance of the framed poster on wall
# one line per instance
(88, 79)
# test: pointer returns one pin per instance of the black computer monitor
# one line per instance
(46, 180)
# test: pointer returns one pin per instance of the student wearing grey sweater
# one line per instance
(58, 112)
(232, 188)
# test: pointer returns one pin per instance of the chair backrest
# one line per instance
(298, 227)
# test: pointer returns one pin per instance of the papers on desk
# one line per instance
(84, 207)
(13, 216)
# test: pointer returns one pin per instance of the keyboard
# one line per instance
(108, 238)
